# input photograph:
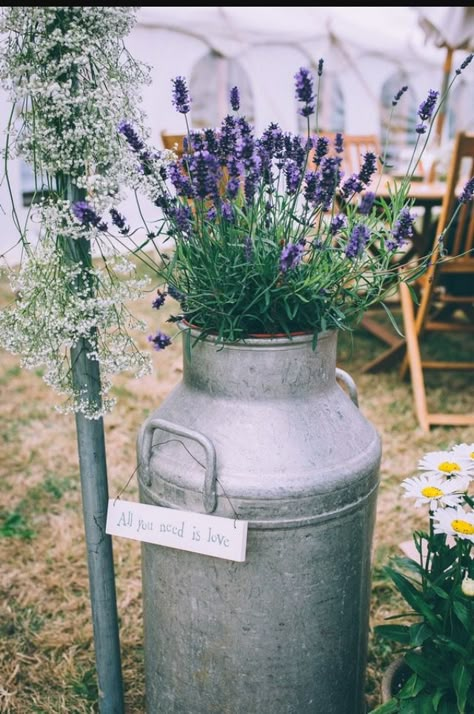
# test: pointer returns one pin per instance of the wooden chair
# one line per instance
(446, 290)
(355, 146)
(174, 142)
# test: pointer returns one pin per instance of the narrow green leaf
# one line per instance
(390, 707)
(396, 633)
(463, 614)
(462, 679)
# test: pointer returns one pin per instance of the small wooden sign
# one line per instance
(199, 533)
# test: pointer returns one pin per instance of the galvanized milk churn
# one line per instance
(261, 430)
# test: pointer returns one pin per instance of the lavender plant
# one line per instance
(268, 235)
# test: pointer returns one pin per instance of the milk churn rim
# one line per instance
(257, 340)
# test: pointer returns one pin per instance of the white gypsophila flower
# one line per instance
(71, 82)
(444, 463)
(455, 522)
(464, 452)
(68, 71)
(434, 490)
(48, 318)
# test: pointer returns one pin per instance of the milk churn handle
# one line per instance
(350, 384)
(209, 496)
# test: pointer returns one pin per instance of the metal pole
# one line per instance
(93, 470)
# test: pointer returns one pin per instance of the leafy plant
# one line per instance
(438, 645)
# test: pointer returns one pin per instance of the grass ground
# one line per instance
(46, 648)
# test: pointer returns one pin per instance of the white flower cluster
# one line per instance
(72, 82)
(58, 303)
(444, 486)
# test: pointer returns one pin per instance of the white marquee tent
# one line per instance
(363, 49)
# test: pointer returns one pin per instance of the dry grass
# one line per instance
(46, 648)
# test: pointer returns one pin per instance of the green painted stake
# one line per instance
(93, 469)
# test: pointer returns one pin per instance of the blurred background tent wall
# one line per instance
(369, 53)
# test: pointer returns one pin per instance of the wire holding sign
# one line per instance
(198, 533)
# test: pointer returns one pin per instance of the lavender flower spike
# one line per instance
(181, 99)
(159, 301)
(304, 91)
(159, 341)
(235, 99)
(399, 95)
(467, 192)
(366, 203)
(86, 215)
(358, 240)
(291, 256)
(426, 108)
(131, 136)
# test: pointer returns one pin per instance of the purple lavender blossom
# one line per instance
(131, 136)
(235, 99)
(175, 293)
(159, 341)
(159, 301)
(183, 218)
(119, 221)
(399, 95)
(228, 137)
(181, 99)
(291, 256)
(211, 214)
(233, 186)
(467, 61)
(338, 223)
(339, 142)
(272, 140)
(293, 148)
(212, 143)
(304, 91)
(180, 181)
(467, 192)
(251, 179)
(357, 241)
(320, 67)
(426, 108)
(86, 215)
(227, 211)
(351, 185)
(310, 186)
(248, 249)
(293, 177)
(321, 148)
(329, 177)
(402, 230)
(369, 167)
(366, 203)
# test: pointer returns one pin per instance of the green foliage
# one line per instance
(438, 639)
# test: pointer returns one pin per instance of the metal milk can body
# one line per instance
(285, 632)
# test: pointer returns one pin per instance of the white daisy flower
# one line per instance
(455, 522)
(464, 452)
(433, 489)
(446, 464)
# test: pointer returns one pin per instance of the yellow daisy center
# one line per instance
(471, 455)
(449, 466)
(462, 527)
(431, 492)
